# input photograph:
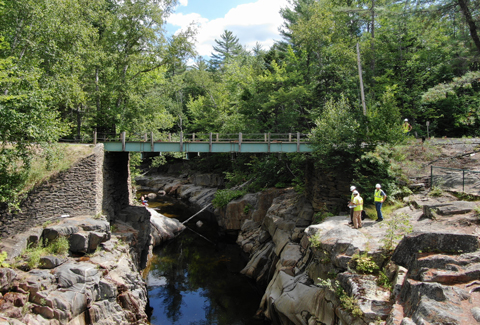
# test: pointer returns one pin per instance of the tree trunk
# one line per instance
(470, 22)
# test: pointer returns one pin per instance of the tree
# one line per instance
(227, 47)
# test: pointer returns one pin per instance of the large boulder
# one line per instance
(163, 228)
(417, 243)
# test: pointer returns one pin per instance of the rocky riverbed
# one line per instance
(98, 281)
(330, 273)
(326, 273)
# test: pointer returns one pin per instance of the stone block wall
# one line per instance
(332, 190)
(77, 191)
(117, 187)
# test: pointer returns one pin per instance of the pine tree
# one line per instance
(227, 47)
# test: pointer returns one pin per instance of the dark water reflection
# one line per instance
(194, 281)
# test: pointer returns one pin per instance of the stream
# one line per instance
(195, 278)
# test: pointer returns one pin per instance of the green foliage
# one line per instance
(364, 263)
(3, 257)
(135, 162)
(33, 254)
(477, 211)
(396, 226)
(158, 161)
(348, 303)
(384, 281)
(435, 191)
(337, 136)
(315, 240)
(466, 196)
(321, 215)
(223, 197)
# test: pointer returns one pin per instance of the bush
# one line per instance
(3, 257)
(223, 197)
(397, 226)
(364, 263)
(384, 281)
(59, 246)
(315, 240)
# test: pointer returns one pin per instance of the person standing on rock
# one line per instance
(350, 204)
(357, 210)
(379, 197)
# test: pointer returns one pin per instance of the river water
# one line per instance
(195, 278)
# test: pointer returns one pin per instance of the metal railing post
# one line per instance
(193, 136)
(289, 137)
(123, 140)
(151, 142)
(95, 137)
(210, 142)
(145, 137)
(268, 141)
(169, 137)
(181, 141)
(298, 141)
(216, 137)
(240, 142)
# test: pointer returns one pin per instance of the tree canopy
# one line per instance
(69, 67)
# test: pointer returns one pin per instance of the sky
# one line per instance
(251, 21)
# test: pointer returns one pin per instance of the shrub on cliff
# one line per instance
(222, 197)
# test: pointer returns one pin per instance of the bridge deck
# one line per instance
(247, 147)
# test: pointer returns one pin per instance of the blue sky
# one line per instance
(251, 21)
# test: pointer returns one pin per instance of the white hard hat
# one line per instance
(378, 186)
(352, 188)
(406, 120)
(355, 192)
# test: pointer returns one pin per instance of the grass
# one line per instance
(32, 254)
(387, 209)
(53, 160)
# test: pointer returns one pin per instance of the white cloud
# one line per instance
(184, 3)
(251, 23)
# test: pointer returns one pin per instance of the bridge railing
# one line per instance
(190, 137)
(213, 137)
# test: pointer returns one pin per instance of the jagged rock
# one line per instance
(78, 242)
(72, 273)
(106, 312)
(408, 249)
(237, 211)
(434, 303)
(374, 301)
(476, 313)
(15, 245)
(37, 280)
(152, 196)
(451, 208)
(96, 238)
(163, 228)
(51, 233)
(51, 262)
(208, 180)
(6, 278)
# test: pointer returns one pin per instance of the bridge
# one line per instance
(211, 142)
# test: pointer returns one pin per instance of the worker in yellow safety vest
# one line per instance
(406, 127)
(357, 210)
(379, 197)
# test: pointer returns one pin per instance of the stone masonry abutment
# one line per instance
(97, 184)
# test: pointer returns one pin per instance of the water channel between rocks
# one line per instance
(192, 280)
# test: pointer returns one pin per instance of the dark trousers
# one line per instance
(351, 215)
(378, 206)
